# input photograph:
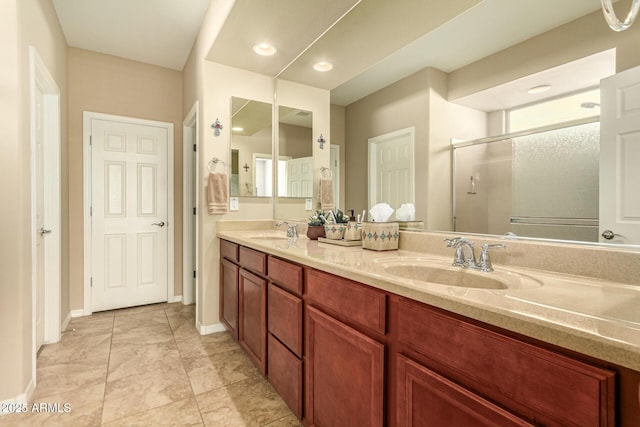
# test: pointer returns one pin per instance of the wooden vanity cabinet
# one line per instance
(344, 366)
(285, 340)
(229, 277)
(494, 370)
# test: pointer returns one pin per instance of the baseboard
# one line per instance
(78, 313)
(210, 329)
(20, 400)
(175, 298)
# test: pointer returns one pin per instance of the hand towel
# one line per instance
(326, 194)
(218, 193)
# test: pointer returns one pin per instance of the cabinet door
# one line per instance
(344, 374)
(285, 374)
(229, 296)
(253, 318)
(425, 398)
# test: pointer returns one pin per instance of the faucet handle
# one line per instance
(485, 261)
(452, 242)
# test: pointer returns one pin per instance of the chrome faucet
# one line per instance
(292, 229)
(465, 255)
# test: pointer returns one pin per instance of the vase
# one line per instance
(315, 231)
(334, 231)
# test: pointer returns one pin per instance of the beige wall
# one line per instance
(107, 84)
(574, 40)
(23, 23)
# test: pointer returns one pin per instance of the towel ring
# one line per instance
(325, 172)
(213, 163)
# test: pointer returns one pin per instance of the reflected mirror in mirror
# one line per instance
(295, 151)
(251, 156)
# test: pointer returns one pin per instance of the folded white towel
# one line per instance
(218, 193)
(326, 194)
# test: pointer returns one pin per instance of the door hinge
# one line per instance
(90, 210)
(91, 282)
(194, 148)
(90, 139)
(194, 274)
(194, 211)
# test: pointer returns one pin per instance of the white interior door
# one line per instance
(41, 230)
(129, 214)
(620, 157)
(300, 177)
(391, 168)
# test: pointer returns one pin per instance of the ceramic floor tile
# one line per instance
(93, 347)
(139, 309)
(288, 421)
(67, 377)
(158, 334)
(137, 393)
(219, 370)
(136, 359)
(81, 327)
(81, 407)
(182, 325)
(140, 320)
(183, 413)
(204, 345)
(179, 307)
(252, 402)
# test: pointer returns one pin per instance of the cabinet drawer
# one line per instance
(424, 395)
(253, 260)
(350, 301)
(229, 250)
(543, 386)
(285, 374)
(285, 274)
(285, 318)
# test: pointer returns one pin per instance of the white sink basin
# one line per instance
(434, 272)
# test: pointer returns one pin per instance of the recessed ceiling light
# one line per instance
(323, 66)
(237, 129)
(539, 89)
(264, 49)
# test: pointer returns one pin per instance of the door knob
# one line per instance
(159, 224)
(44, 231)
(608, 234)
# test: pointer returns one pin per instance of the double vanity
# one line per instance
(355, 337)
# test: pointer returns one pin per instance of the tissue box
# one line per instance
(380, 236)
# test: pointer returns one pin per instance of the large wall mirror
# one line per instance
(446, 101)
(251, 148)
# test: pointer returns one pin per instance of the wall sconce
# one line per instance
(321, 141)
(246, 167)
(217, 126)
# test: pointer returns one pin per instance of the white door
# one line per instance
(41, 231)
(129, 227)
(391, 175)
(620, 157)
(300, 177)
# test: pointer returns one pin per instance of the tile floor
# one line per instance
(148, 366)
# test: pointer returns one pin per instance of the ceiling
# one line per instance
(158, 32)
(372, 43)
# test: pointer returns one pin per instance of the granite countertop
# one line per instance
(591, 316)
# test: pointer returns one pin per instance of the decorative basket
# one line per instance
(353, 231)
(334, 231)
(380, 236)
